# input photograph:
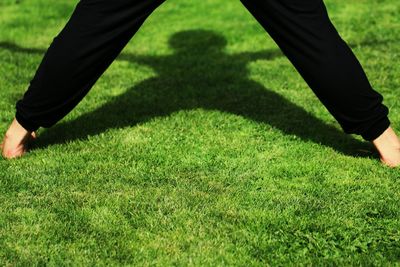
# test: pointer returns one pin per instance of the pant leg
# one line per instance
(305, 34)
(92, 38)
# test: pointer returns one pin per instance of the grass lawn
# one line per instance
(216, 155)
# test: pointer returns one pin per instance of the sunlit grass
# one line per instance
(199, 158)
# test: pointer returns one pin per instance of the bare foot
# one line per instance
(388, 146)
(16, 141)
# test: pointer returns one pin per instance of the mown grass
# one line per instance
(215, 155)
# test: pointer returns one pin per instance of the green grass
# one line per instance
(152, 168)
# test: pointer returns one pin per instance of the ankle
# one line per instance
(16, 129)
(387, 138)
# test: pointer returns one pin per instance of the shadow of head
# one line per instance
(198, 42)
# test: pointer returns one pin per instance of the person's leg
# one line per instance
(306, 35)
(93, 37)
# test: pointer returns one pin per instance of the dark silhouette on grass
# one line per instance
(199, 74)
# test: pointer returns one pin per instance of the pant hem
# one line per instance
(27, 125)
(376, 129)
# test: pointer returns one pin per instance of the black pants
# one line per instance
(99, 29)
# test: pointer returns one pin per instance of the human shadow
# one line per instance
(199, 74)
